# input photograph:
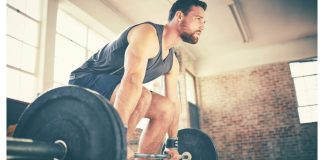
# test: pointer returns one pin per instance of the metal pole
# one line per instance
(152, 156)
(29, 149)
(184, 156)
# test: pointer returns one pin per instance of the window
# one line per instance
(190, 88)
(304, 74)
(75, 43)
(23, 28)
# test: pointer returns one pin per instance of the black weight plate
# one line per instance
(198, 143)
(83, 119)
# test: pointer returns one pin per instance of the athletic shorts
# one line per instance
(104, 84)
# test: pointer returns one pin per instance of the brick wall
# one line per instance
(252, 114)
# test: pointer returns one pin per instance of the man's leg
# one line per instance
(139, 112)
(161, 116)
(160, 110)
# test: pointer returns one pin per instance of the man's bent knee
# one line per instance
(164, 109)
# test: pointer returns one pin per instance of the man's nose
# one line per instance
(202, 27)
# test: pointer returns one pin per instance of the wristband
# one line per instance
(172, 143)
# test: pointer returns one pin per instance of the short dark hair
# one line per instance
(185, 6)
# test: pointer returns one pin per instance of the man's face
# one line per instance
(192, 25)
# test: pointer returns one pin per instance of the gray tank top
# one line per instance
(110, 59)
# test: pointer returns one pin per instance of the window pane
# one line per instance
(14, 49)
(62, 70)
(22, 28)
(68, 56)
(21, 86)
(19, 4)
(33, 8)
(56, 85)
(64, 48)
(28, 87)
(190, 88)
(21, 55)
(95, 41)
(15, 25)
(307, 114)
(13, 84)
(71, 28)
(31, 31)
(303, 68)
(306, 90)
(30, 7)
(28, 58)
(90, 53)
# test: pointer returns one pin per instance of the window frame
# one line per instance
(303, 76)
(87, 50)
(20, 70)
(194, 87)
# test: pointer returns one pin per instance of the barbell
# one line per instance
(74, 123)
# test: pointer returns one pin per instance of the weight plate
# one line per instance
(197, 143)
(90, 127)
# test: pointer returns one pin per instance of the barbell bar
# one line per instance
(30, 149)
(183, 156)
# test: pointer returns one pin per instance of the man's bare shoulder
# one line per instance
(144, 30)
(144, 39)
(146, 27)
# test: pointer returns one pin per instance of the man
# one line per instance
(140, 54)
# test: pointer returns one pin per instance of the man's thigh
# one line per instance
(159, 104)
(145, 95)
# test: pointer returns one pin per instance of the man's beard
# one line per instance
(188, 37)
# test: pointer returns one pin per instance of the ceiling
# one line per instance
(278, 30)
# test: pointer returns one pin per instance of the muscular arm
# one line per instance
(142, 43)
(171, 91)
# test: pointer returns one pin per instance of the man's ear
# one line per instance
(179, 16)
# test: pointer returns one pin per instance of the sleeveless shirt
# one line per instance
(110, 59)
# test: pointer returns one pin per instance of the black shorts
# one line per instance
(104, 84)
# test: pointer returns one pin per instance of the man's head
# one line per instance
(189, 15)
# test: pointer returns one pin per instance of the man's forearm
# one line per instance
(126, 99)
(173, 130)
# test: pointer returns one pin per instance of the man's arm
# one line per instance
(171, 91)
(142, 43)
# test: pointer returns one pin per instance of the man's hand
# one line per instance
(130, 153)
(174, 154)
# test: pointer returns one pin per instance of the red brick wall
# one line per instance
(252, 114)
